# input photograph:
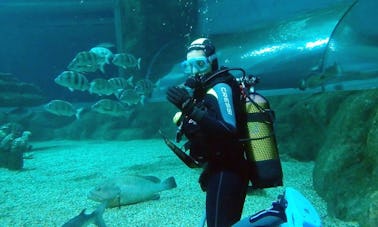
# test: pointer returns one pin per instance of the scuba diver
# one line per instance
(230, 135)
(211, 118)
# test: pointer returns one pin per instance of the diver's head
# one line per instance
(200, 58)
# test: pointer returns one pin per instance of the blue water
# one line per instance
(38, 39)
(37, 45)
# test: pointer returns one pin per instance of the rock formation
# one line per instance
(16, 93)
(339, 131)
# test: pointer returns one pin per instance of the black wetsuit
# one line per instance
(215, 137)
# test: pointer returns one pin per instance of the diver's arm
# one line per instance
(218, 115)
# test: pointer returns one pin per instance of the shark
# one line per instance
(84, 219)
(309, 53)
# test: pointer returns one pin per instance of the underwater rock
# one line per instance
(20, 144)
(345, 172)
(13, 144)
(338, 131)
(16, 93)
(302, 122)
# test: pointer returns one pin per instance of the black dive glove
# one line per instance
(181, 98)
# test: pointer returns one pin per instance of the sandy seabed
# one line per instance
(52, 187)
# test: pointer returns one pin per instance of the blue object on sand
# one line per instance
(290, 210)
(299, 212)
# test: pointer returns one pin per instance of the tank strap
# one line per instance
(267, 116)
(259, 138)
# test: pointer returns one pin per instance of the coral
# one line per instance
(13, 144)
(20, 144)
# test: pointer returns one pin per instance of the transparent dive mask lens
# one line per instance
(196, 65)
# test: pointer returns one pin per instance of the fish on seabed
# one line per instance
(72, 80)
(130, 189)
(62, 108)
(125, 60)
(84, 219)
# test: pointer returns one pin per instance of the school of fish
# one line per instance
(125, 91)
(118, 95)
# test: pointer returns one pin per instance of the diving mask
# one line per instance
(196, 65)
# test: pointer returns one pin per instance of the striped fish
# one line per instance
(110, 107)
(87, 61)
(72, 80)
(126, 60)
(104, 53)
(121, 83)
(62, 108)
(144, 87)
(128, 96)
(100, 87)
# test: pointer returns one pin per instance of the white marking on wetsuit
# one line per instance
(225, 103)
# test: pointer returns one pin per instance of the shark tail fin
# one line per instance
(99, 221)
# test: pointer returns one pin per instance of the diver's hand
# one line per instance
(181, 98)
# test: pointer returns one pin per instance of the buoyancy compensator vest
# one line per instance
(257, 134)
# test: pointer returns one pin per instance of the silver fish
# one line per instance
(62, 108)
(110, 107)
(130, 189)
(87, 61)
(126, 60)
(107, 45)
(104, 53)
(100, 87)
(128, 96)
(84, 219)
(72, 80)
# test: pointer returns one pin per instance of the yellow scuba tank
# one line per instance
(261, 146)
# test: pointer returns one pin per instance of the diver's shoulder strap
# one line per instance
(220, 76)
